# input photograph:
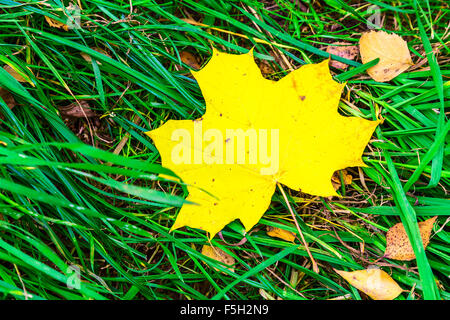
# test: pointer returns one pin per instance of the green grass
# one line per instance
(65, 203)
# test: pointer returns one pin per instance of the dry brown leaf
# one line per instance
(7, 97)
(374, 282)
(336, 179)
(344, 50)
(80, 109)
(265, 295)
(14, 73)
(265, 68)
(280, 233)
(56, 24)
(219, 255)
(99, 50)
(189, 59)
(398, 246)
(390, 48)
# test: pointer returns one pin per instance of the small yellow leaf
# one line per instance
(56, 24)
(390, 48)
(219, 255)
(374, 282)
(336, 179)
(398, 246)
(281, 233)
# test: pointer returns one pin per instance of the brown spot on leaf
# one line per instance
(294, 83)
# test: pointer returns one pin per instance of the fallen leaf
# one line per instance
(9, 100)
(16, 75)
(56, 24)
(80, 109)
(297, 121)
(99, 50)
(280, 233)
(398, 246)
(219, 255)
(189, 59)
(390, 48)
(7, 97)
(265, 68)
(336, 179)
(374, 282)
(344, 50)
(265, 295)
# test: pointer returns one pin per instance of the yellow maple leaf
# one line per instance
(254, 134)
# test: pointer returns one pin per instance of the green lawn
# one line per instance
(82, 195)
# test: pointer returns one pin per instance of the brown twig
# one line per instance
(314, 264)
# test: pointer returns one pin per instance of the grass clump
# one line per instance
(82, 195)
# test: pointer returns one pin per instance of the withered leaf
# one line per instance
(7, 97)
(344, 50)
(56, 24)
(336, 178)
(392, 51)
(219, 255)
(9, 100)
(265, 68)
(280, 233)
(374, 282)
(80, 109)
(189, 59)
(14, 73)
(99, 50)
(398, 246)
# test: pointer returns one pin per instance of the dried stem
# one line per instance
(314, 264)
